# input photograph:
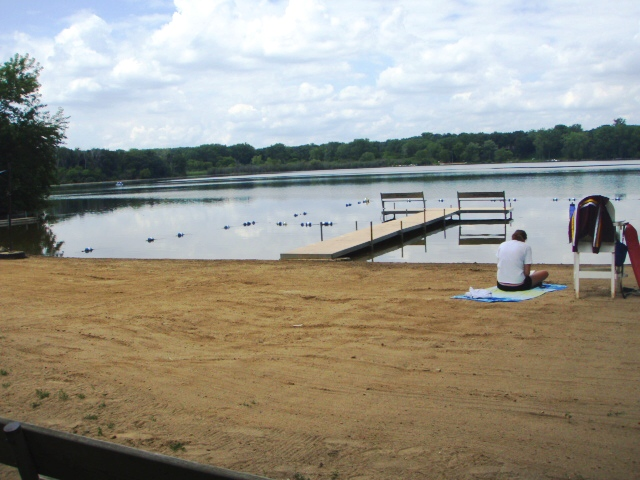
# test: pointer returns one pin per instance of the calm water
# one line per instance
(116, 221)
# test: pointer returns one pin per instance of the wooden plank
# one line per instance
(402, 212)
(71, 457)
(485, 210)
(405, 195)
(482, 195)
(19, 221)
(481, 240)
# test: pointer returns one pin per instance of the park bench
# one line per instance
(36, 451)
(498, 197)
(403, 198)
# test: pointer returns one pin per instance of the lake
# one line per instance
(116, 221)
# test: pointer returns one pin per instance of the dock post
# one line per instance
(401, 234)
(424, 221)
(356, 225)
(321, 239)
(371, 230)
(444, 221)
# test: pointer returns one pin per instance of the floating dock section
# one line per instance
(372, 235)
(19, 221)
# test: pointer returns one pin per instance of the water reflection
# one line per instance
(33, 239)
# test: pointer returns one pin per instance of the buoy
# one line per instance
(302, 224)
(304, 213)
(88, 250)
(227, 227)
(295, 214)
(150, 239)
(180, 234)
(253, 222)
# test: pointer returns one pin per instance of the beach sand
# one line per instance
(325, 370)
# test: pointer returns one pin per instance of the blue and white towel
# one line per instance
(494, 294)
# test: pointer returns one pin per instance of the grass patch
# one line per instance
(6, 385)
(35, 404)
(3, 372)
(91, 417)
(62, 395)
(102, 405)
(299, 476)
(42, 394)
(176, 446)
(81, 396)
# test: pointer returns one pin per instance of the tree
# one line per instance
(503, 155)
(471, 153)
(29, 136)
(575, 145)
(488, 152)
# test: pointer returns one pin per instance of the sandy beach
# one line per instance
(325, 370)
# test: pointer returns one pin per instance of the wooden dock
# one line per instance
(18, 221)
(372, 235)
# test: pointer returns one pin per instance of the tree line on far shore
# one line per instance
(615, 141)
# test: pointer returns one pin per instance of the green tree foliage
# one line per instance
(29, 137)
(617, 140)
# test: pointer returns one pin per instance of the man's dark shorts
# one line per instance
(526, 285)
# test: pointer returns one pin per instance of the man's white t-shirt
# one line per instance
(513, 255)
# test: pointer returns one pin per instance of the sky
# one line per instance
(181, 73)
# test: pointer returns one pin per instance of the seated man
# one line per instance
(514, 265)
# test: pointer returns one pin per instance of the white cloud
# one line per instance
(314, 71)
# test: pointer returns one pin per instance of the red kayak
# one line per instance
(631, 239)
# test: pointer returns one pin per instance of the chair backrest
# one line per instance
(592, 222)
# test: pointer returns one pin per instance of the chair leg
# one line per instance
(613, 275)
(576, 273)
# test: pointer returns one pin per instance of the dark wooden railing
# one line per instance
(36, 451)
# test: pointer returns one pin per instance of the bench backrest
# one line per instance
(482, 196)
(402, 197)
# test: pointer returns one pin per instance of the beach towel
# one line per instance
(497, 295)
